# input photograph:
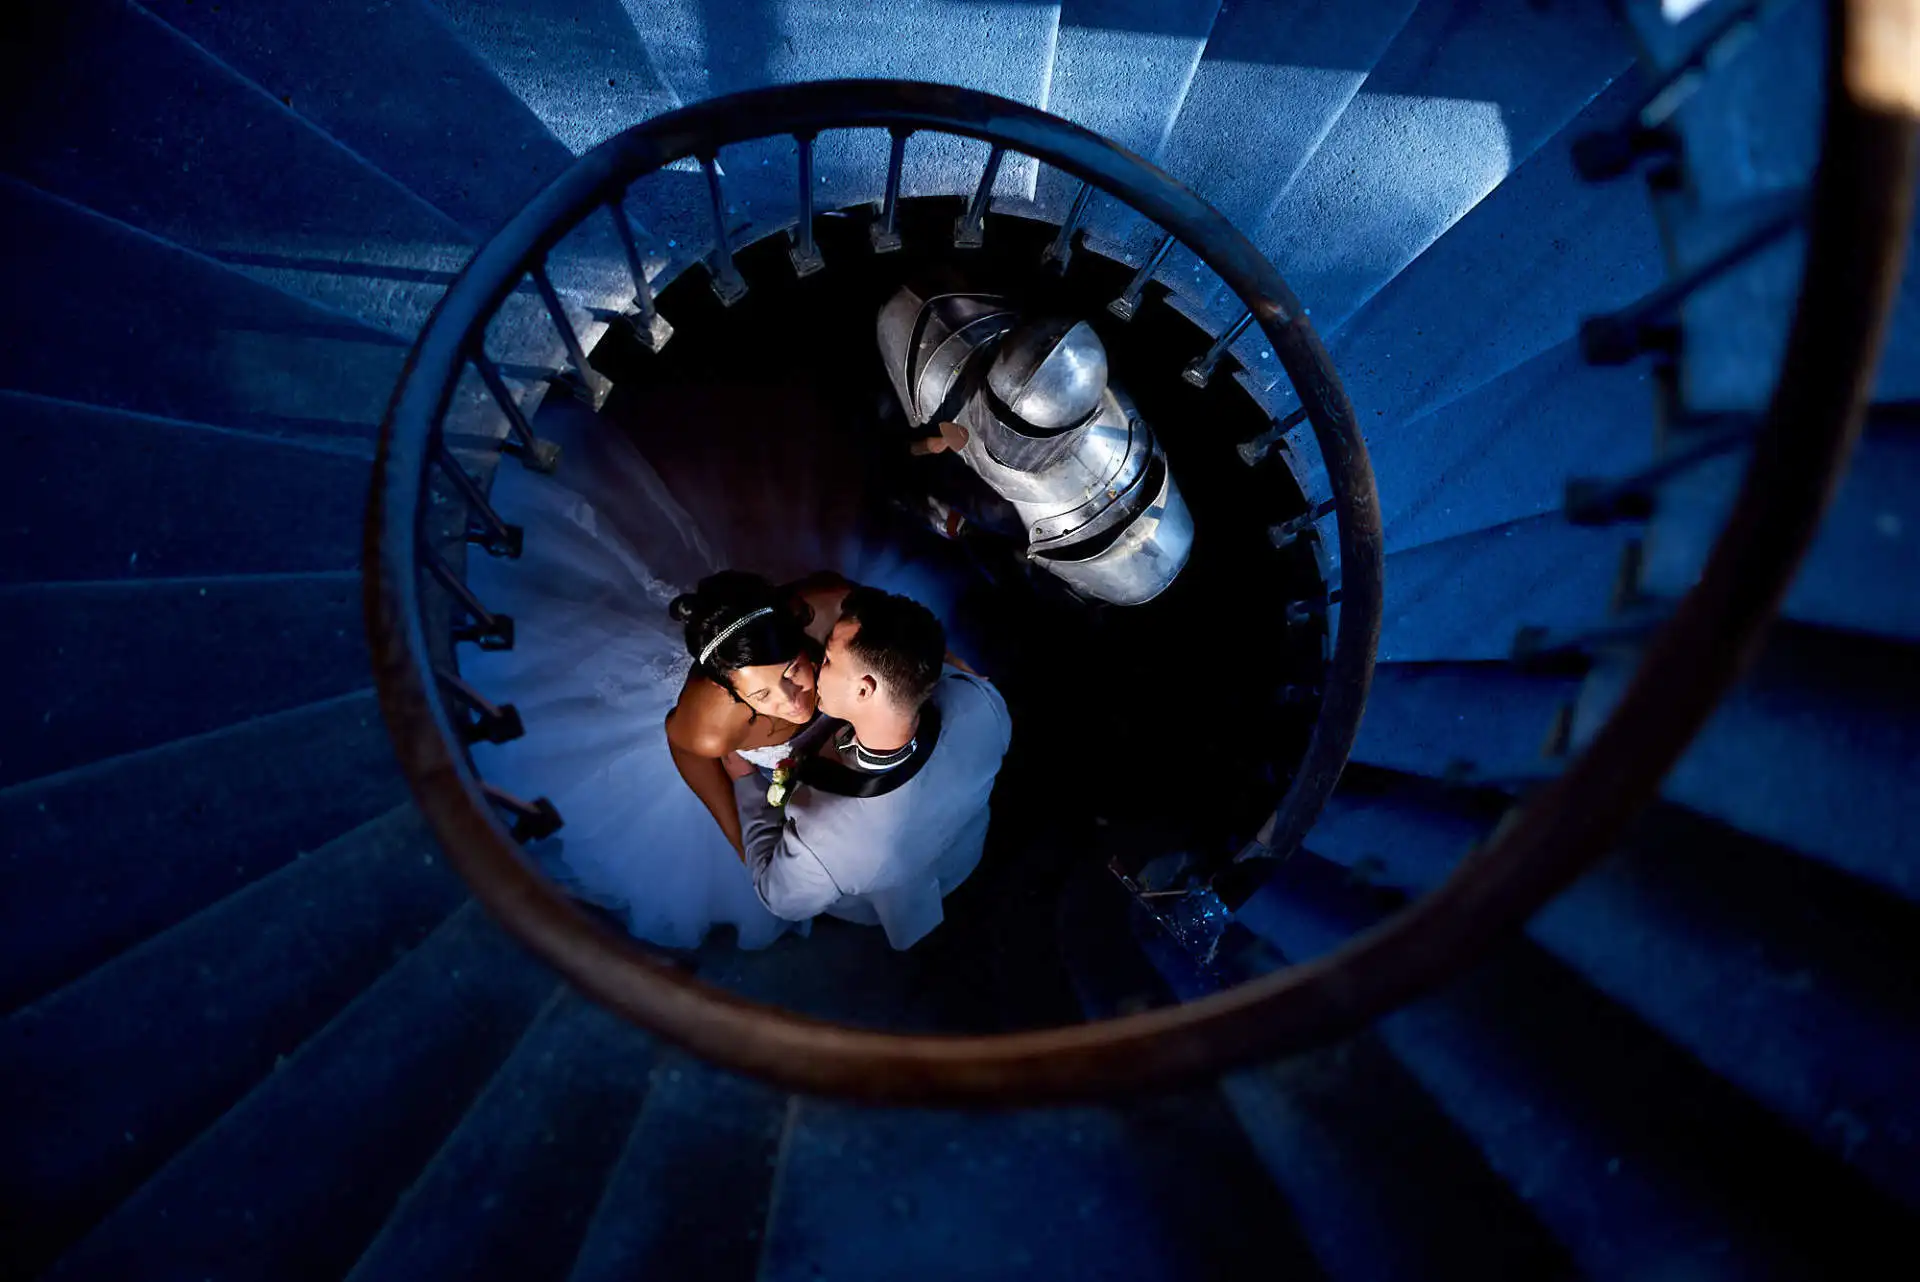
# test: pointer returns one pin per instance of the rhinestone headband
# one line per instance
(729, 630)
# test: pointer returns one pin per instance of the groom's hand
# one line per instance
(737, 766)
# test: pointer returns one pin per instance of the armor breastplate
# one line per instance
(1048, 433)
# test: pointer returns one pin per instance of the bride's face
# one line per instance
(786, 691)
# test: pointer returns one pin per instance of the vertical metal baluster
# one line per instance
(532, 820)
(728, 286)
(581, 378)
(489, 631)
(494, 534)
(647, 324)
(1286, 532)
(492, 722)
(1129, 302)
(803, 253)
(884, 232)
(1056, 255)
(1199, 371)
(521, 443)
(970, 229)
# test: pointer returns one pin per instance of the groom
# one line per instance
(890, 811)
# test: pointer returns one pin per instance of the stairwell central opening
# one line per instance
(1155, 737)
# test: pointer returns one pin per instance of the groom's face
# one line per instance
(844, 687)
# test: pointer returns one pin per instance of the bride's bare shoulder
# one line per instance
(706, 721)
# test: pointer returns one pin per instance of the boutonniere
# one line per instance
(783, 778)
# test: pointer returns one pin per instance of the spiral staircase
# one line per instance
(257, 1027)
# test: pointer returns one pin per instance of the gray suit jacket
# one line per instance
(886, 859)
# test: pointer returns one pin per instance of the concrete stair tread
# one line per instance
(1122, 68)
(1504, 451)
(281, 1185)
(1781, 974)
(1438, 82)
(1270, 83)
(226, 170)
(1382, 1182)
(1818, 749)
(1016, 1194)
(1636, 1158)
(1867, 549)
(114, 853)
(509, 1194)
(147, 509)
(1466, 597)
(1005, 50)
(1472, 306)
(118, 666)
(688, 1195)
(180, 331)
(207, 1009)
(1483, 723)
(400, 86)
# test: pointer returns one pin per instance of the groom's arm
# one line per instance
(789, 878)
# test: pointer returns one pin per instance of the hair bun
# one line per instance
(683, 606)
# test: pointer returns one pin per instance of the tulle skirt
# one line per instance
(597, 663)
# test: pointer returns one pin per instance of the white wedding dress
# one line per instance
(597, 663)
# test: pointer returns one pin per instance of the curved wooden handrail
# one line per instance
(1864, 190)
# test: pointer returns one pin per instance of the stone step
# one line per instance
(129, 321)
(108, 668)
(111, 854)
(112, 1075)
(510, 1193)
(283, 1184)
(1641, 1162)
(146, 507)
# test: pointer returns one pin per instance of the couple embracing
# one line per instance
(639, 697)
(845, 754)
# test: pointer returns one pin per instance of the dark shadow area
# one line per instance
(1161, 722)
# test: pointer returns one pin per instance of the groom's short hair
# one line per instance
(899, 640)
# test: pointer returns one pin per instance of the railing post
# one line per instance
(493, 533)
(521, 443)
(532, 820)
(884, 232)
(802, 252)
(1648, 131)
(1129, 302)
(488, 630)
(582, 380)
(1054, 258)
(970, 229)
(490, 722)
(1251, 452)
(728, 285)
(1199, 371)
(646, 322)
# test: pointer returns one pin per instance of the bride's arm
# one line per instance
(697, 750)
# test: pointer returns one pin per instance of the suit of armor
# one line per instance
(1047, 432)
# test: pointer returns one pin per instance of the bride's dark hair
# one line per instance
(724, 599)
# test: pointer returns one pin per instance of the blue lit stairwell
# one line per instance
(254, 1027)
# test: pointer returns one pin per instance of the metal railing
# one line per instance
(1856, 235)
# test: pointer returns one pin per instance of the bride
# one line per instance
(633, 690)
(755, 648)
